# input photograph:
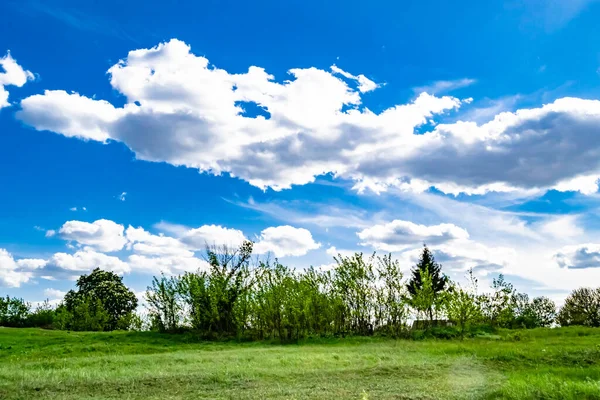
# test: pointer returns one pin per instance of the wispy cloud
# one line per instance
(553, 14)
(304, 212)
(438, 87)
(487, 109)
(75, 18)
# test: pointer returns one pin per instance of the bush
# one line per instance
(582, 307)
(42, 317)
(87, 314)
(13, 312)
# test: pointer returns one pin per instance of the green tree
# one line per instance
(229, 281)
(424, 297)
(427, 267)
(42, 316)
(544, 311)
(499, 306)
(107, 289)
(13, 312)
(163, 303)
(582, 307)
(462, 306)
(391, 308)
(540, 312)
(353, 284)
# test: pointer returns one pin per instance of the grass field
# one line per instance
(541, 364)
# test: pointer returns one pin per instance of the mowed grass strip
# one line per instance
(545, 363)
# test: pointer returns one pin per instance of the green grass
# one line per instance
(538, 364)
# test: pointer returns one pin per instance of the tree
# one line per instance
(352, 282)
(499, 306)
(462, 306)
(423, 298)
(582, 307)
(391, 312)
(163, 302)
(13, 312)
(427, 267)
(544, 311)
(104, 288)
(230, 279)
(86, 314)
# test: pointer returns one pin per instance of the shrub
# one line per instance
(582, 307)
(13, 312)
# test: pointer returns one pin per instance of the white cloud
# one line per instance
(13, 272)
(144, 243)
(54, 294)
(285, 241)
(122, 196)
(333, 251)
(197, 123)
(398, 235)
(13, 75)
(364, 84)
(155, 254)
(562, 226)
(169, 265)
(73, 209)
(198, 238)
(438, 87)
(87, 260)
(102, 235)
(50, 233)
(31, 264)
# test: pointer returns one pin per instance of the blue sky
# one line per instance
(135, 131)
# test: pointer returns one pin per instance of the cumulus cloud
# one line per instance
(285, 241)
(86, 261)
(579, 256)
(160, 254)
(183, 111)
(146, 243)
(198, 123)
(217, 235)
(13, 272)
(398, 235)
(333, 251)
(54, 294)
(364, 84)
(169, 265)
(13, 75)
(466, 254)
(102, 235)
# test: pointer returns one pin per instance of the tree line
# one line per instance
(247, 298)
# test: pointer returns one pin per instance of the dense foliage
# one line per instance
(244, 297)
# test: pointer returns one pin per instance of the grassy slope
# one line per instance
(557, 364)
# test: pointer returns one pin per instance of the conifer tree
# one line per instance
(427, 265)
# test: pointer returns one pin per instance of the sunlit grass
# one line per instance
(544, 363)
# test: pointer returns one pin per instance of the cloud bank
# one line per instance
(182, 110)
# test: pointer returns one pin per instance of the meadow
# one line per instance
(542, 363)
